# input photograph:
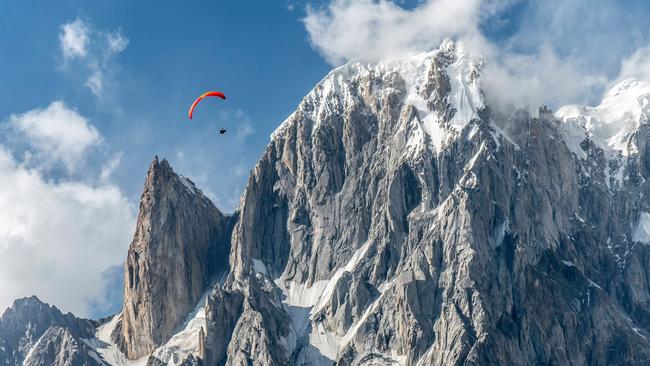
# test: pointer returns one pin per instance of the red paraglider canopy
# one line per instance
(208, 94)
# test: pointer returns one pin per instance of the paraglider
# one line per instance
(208, 94)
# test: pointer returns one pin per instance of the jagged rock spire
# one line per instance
(180, 244)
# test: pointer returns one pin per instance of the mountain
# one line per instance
(34, 333)
(180, 247)
(396, 219)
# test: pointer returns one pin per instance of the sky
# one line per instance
(92, 91)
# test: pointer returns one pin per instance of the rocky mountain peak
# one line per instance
(26, 323)
(29, 304)
(612, 124)
(179, 249)
(160, 174)
(443, 87)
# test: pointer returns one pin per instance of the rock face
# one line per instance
(394, 219)
(222, 312)
(180, 246)
(58, 347)
(34, 333)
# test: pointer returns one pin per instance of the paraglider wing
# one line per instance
(208, 94)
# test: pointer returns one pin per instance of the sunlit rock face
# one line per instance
(180, 246)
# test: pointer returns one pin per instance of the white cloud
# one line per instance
(542, 78)
(95, 83)
(544, 52)
(109, 167)
(92, 52)
(60, 229)
(56, 134)
(117, 42)
(74, 38)
(637, 65)
(56, 239)
(366, 30)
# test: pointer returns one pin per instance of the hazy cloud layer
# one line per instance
(60, 230)
(637, 65)
(552, 52)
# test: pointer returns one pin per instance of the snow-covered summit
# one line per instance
(611, 124)
(459, 97)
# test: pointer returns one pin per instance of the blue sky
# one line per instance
(256, 52)
(91, 91)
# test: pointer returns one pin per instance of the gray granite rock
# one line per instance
(180, 247)
(494, 245)
(59, 347)
(30, 321)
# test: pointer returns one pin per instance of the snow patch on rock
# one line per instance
(304, 302)
(642, 232)
(466, 96)
(260, 267)
(172, 353)
(187, 184)
(108, 350)
(611, 124)
(301, 295)
(185, 342)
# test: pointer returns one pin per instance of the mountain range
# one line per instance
(395, 218)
